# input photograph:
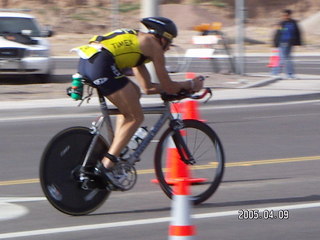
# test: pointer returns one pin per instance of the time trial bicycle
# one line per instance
(67, 174)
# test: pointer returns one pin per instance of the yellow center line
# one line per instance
(18, 182)
(273, 161)
(233, 164)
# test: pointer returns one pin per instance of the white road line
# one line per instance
(21, 199)
(11, 211)
(145, 221)
(8, 210)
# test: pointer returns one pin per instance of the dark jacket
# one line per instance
(295, 36)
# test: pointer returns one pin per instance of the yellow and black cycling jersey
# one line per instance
(123, 44)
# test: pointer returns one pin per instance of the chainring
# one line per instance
(127, 173)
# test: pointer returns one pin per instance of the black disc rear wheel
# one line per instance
(59, 172)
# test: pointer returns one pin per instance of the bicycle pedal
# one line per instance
(112, 187)
(88, 184)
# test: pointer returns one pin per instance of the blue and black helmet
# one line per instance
(161, 26)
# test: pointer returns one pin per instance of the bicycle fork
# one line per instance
(177, 125)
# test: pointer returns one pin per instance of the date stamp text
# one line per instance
(267, 214)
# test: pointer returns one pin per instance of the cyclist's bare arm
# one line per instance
(143, 77)
(151, 48)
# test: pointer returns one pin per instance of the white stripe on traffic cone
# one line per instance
(180, 227)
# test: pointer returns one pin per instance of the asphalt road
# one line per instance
(273, 160)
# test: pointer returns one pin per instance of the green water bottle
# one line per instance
(76, 86)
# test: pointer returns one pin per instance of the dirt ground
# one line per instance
(75, 24)
(63, 41)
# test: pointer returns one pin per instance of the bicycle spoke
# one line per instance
(206, 149)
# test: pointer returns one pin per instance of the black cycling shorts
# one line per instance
(102, 72)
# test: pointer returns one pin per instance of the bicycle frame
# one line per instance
(82, 175)
(175, 124)
(105, 118)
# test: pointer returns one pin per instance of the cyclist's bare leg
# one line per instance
(127, 100)
(119, 122)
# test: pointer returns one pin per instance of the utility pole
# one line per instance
(150, 8)
(240, 23)
(115, 14)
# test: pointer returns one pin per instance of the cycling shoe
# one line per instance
(110, 175)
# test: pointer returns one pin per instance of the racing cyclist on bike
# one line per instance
(102, 62)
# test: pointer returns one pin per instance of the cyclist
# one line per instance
(102, 62)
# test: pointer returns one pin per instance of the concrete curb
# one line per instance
(67, 102)
(263, 83)
(252, 93)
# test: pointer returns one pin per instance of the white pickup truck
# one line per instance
(24, 49)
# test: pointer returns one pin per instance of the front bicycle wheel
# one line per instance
(205, 147)
(59, 171)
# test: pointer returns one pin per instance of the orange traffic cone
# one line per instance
(274, 59)
(190, 110)
(190, 75)
(176, 109)
(190, 107)
(175, 167)
(180, 226)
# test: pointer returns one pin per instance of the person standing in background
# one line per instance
(287, 36)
